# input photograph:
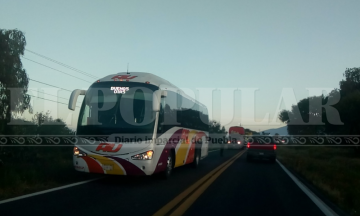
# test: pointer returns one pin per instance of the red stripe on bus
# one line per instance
(191, 154)
(171, 144)
(94, 167)
(130, 168)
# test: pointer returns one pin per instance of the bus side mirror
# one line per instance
(163, 94)
(157, 95)
(73, 98)
(156, 100)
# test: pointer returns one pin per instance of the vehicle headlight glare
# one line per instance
(78, 152)
(143, 156)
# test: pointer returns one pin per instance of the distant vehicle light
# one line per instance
(239, 142)
(248, 145)
(274, 147)
(229, 142)
(147, 82)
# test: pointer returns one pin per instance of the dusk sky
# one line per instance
(197, 45)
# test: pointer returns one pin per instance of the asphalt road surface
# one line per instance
(237, 188)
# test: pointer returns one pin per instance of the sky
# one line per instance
(219, 51)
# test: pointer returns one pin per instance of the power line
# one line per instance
(51, 100)
(55, 69)
(50, 85)
(62, 64)
(52, 95)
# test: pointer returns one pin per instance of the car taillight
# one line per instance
(248, 145)
(274, 147)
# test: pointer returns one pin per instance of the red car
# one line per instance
(260, 148)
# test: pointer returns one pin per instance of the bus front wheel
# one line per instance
(169, 166)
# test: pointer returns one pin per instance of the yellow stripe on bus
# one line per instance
(116, 169)
(183, 149)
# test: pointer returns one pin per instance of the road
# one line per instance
(258, 188)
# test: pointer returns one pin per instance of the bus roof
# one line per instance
(237, 129)
(142, 77)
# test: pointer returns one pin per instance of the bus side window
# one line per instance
(161, 115)
(86, 116)
(171, 112)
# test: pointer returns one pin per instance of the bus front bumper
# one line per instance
(113, 165)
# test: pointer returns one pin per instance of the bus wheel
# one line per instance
(196, 161)
(169, 166)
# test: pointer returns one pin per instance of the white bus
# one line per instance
(150, 125)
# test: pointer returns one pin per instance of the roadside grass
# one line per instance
(335, 171)
(40, 169)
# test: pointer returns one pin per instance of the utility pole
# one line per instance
(39, 119)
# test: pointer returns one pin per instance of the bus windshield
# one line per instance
(118, 108)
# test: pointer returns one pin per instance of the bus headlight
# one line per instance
(143, 156)
(78, 152)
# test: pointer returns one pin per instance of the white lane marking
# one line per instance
(322, 206)
(47, 191)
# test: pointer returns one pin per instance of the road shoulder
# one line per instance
(316, 192)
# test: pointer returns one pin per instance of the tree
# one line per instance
(304, 118)
(46, 125)
(348, 108)
(12, 76)
(349, 105)
(351, 82)
(215, 128)
(249, 132)
(20, 126)
(39, 118)
(216, 132)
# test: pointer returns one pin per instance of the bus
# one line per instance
(236, 137)
(138, 124)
